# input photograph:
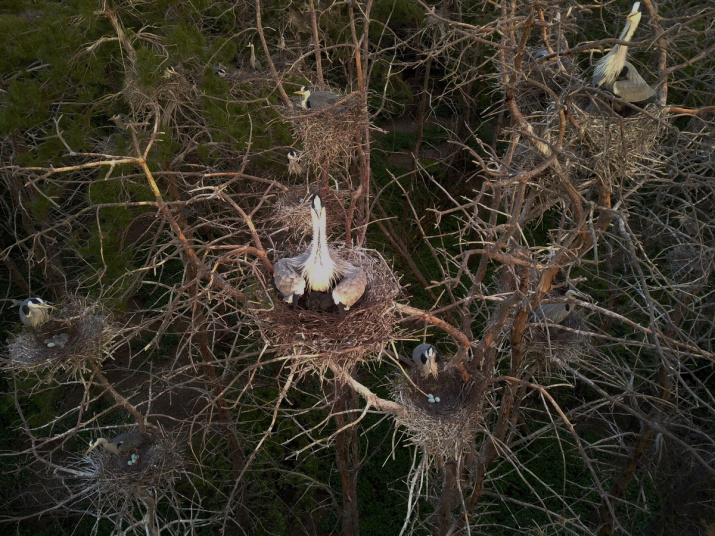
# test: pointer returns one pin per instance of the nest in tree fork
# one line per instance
(75, 334)
(444, 429)
(328, 136)
(315, 336)
(291, 218)
(158, 466)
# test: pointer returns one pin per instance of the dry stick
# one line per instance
(119, 399)
(371, 398)
(271, 67)
(316, 40)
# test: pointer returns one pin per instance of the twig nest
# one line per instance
(291, 221)
(616, 145)
(76, 333)
(156, 464)
(443, 414)
(327, 136)
(367, 325)
(565, 342)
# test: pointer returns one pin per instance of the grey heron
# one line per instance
(350, 289)
(317, 100)
(288, 279)
(255, 64)
(295, 166)
(320, 268)
(34, 312)
(616, 75)
(555, 313)
(221, 72)
(120, 120)
(425, 357)
(122, 444)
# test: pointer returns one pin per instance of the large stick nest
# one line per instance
(444, 429)
(157, 467)
(75, 334)
(328, 136)
(566, 342)
(368, 325)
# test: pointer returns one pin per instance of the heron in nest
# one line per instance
(121, 444)
(255, 64)
(618, 76)
(555, 313)
(425, 357)
(288, 279)
(295, 166)
(321, 269)
(317, 100)
(34, 312)
(350, 289)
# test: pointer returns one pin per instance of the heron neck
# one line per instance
(319, 268)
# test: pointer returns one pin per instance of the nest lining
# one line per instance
(367, 326)
(327, 136)
(445, 429)
(75, 333)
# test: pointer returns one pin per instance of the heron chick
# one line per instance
(295, 166)
(425, 356)
(34, 312)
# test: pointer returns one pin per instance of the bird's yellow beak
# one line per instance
(299, 92)
(91, 447)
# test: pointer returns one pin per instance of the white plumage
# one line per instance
(33, 312)
(321, 269)
(425, 357)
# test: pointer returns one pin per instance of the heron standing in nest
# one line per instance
(555, 313)
(34, 312)
(121, 444)
(255, 64)
(321, 269)
(317, 100)
(425, 357)
(618, 76)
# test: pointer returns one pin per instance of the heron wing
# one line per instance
(352, 286)
(286, 276)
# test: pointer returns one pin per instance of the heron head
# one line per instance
(96, 442)
(303, 91)
(317, 205)
(34, 304)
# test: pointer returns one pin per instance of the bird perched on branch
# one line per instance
(425, 357)
(34, 312)
(613, 73)
(122, 444)
(317, 100)
(555, 313)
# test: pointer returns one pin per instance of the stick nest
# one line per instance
(329, 135)
(553, 344)
(368, 325)
(444, 429)
(158, 467)
(76, 333)
(290, 217)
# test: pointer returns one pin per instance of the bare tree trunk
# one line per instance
(347, 456)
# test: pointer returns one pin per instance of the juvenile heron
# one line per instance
(295, 166)
(317, 100)
(288, 279)
(555, 313)
(321, 269)
(122, 444)
(618, 76)
(34, 312)
(350, 289)
(425, 356)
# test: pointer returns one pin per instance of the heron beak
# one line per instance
(299, 92)
(91, 447)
